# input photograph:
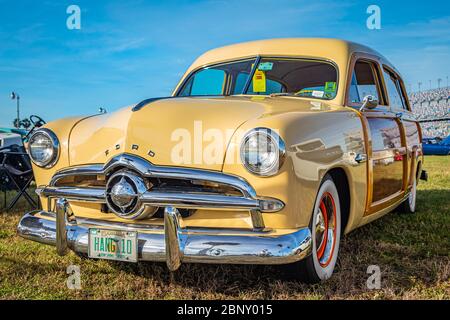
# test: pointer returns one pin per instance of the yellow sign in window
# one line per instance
(259, 81)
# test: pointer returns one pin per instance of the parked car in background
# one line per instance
(435, 146)
(317, 139)
(431, 140)
(8, 139)
(10, 136)
(14, 160)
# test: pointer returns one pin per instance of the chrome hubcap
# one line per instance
(122, 194)
(320, 228)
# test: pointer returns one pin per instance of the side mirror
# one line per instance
(369, 102)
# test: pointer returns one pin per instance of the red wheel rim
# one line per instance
(327, 212)
(323, 243)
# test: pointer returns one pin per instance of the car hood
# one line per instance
(175, 131)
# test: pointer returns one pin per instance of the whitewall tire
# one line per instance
(325, 229)
(409, 205)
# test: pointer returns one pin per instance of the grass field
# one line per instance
(412, 251)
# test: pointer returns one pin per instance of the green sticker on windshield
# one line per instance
(330, 87)
(265, 66)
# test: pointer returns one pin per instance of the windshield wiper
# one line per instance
(283, 94)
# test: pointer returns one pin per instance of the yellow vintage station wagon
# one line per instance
(267, 152)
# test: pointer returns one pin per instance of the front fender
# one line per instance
(316, 143)
(62, 129)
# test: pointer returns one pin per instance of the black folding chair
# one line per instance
(16, 166)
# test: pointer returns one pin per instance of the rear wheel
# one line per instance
(325, 228)
(409, 205)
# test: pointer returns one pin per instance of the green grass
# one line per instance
(411, 250)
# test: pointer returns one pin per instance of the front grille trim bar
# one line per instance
(149, 170)
(157, 198)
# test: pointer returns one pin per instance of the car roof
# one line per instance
(336, 50)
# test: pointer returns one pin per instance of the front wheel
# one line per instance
(325, 228)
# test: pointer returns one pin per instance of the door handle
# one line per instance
(360, 158)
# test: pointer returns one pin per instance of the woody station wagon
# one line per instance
(316, 138)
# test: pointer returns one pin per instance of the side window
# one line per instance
(363, 83)
(396, 99)
(206, 82)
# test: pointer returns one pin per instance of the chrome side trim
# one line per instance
(172, 243)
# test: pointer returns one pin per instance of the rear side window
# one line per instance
(363, 82)
(396, 99)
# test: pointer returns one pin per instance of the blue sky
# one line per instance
(127, 51)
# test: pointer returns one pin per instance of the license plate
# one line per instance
(113, 245)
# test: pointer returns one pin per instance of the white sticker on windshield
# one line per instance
(265, 66)
(317, 94)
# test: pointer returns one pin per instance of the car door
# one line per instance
(385, 144)
(399, 104)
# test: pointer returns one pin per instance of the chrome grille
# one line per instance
(182, 188)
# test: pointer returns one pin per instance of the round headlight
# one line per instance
(262, 152)
(44, 148)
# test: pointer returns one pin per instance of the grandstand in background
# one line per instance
(429, 105)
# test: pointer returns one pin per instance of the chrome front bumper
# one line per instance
(172, 242)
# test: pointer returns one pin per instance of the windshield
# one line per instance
(298, 77)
